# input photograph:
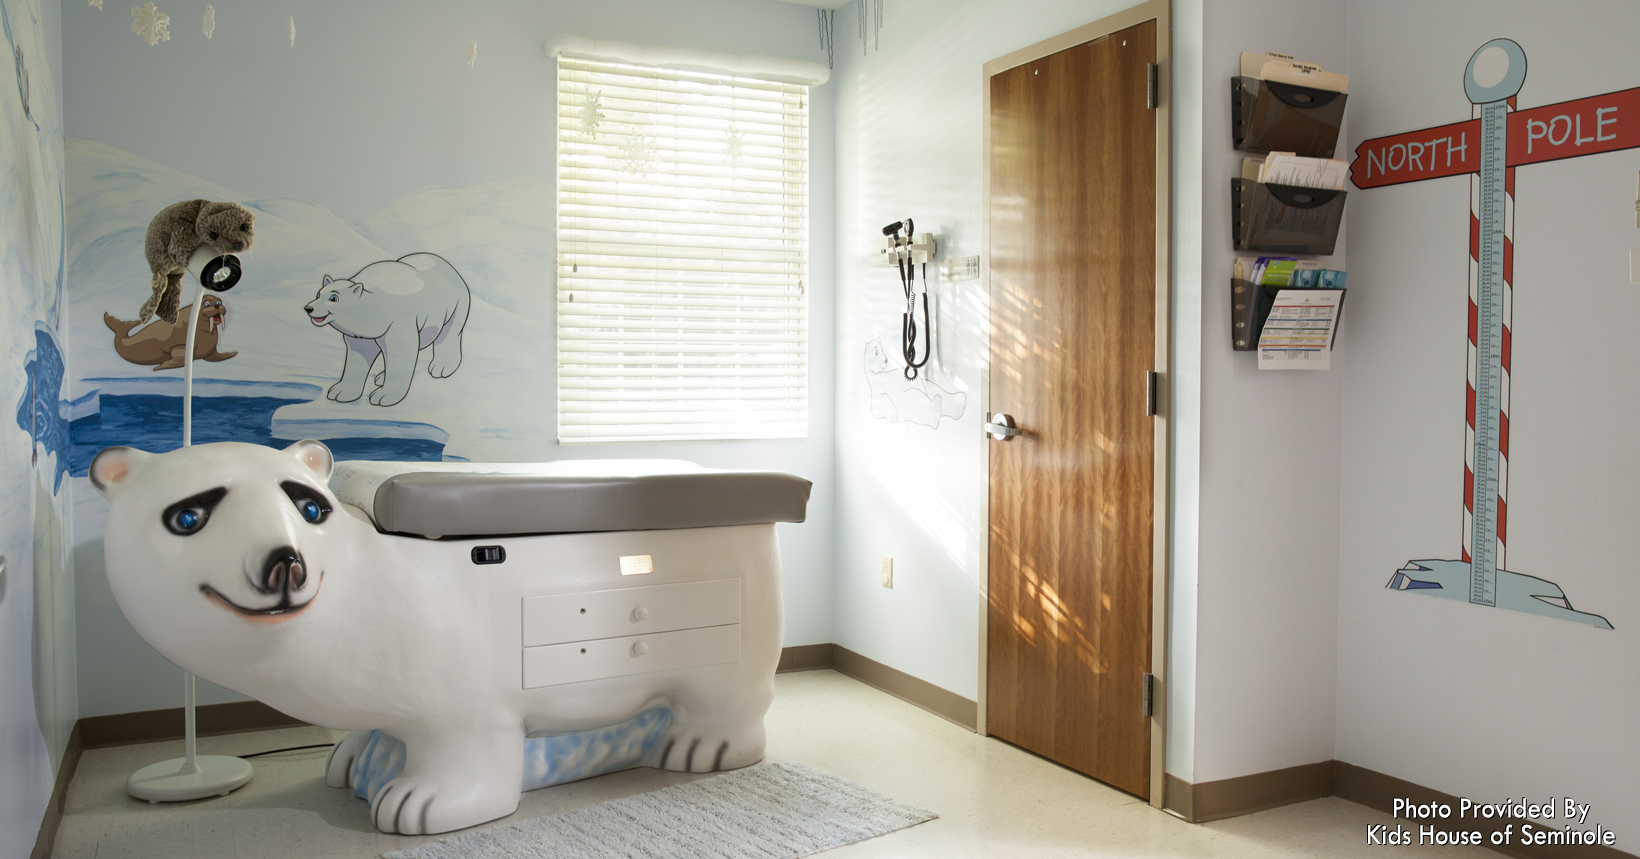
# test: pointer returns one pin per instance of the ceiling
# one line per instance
(822, 4)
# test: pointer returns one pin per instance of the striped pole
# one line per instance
(1495, 75)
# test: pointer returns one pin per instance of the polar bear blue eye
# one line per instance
(307, 500)
(189, 516)
(332, 297)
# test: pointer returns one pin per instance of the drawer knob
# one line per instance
(639, 613)
(639, 648)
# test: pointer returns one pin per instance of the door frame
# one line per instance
(1159, 11)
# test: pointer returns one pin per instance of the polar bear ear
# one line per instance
(111, 471)
(314, 455)
(324, 283)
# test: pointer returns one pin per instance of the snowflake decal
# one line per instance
(638, 155)
(734, 145)
(592, 113)
(210, 20)
(472, 52)
(96, 3)
(151, 24)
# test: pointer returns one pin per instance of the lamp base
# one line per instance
(174, 781)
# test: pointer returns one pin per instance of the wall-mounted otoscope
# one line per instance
(908, 251)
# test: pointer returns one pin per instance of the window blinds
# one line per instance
(682, 255)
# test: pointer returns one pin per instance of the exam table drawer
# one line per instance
(558, 618)
(577, 661)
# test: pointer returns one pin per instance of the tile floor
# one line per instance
(993, 799)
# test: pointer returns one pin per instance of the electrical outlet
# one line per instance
(1634, 265)
(888, 572)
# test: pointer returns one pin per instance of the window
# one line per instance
(682, 255)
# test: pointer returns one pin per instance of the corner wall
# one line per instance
(1475, 701)
(37, 659)
(1267, 590)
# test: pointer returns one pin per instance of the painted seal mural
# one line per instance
(163, 343)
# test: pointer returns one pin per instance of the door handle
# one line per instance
(1002, 427)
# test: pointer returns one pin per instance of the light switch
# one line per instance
(888, 572)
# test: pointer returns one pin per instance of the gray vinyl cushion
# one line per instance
(479, 504)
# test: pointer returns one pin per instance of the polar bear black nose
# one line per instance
(283, 570)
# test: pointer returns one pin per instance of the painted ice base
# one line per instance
(1515, 591)
(547, 760)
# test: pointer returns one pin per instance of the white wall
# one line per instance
(373, 104)
(1267, 596)
(909, 132)
(1474, 701)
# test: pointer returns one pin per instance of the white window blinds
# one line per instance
(682, 255)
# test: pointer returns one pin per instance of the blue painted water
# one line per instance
(153, 422)
(40, 411)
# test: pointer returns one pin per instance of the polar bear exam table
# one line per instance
(479, 628)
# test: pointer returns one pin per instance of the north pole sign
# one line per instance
(1488, 147)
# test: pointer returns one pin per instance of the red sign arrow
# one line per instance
(1585, 126)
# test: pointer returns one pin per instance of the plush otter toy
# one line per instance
(176, 232)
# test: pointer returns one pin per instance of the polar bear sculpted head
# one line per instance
(212, 549)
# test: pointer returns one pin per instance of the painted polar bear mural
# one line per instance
(392, 310)
(239, 564)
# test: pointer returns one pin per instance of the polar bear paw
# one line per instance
(343, 755)
(344, 392)
(413, 805)
(705, 754)
(388, 396)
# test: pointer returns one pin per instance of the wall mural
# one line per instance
(896, 399)
(34, 446)
(387, 313)
(1488, 148)
(333, 319)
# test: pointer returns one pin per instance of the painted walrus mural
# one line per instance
(391, 310)
(163, 343)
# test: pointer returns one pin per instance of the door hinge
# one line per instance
(1150, 86)
(1150, 693)
(1150, 393)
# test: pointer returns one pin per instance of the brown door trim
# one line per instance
(1161, 12)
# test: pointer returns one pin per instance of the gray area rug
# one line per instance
(770, 811)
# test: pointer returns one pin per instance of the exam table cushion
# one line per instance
(493, 499)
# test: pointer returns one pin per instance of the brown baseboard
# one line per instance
(1376, 790)
(46, 841)
(912, 690)
(1231, 797)
(148, 726)
(805, 657)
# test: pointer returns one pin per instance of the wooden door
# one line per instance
(1073, 321)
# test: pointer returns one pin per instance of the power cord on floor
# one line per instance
(291, 749)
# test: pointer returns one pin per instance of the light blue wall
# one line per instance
(369, 139)
(37, 706)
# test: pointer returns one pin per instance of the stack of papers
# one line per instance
(1299, 333)
(1286, 168)
(1282, 68)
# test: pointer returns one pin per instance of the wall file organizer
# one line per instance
(1250, 305)
(1268, 116)
(1285, 218)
